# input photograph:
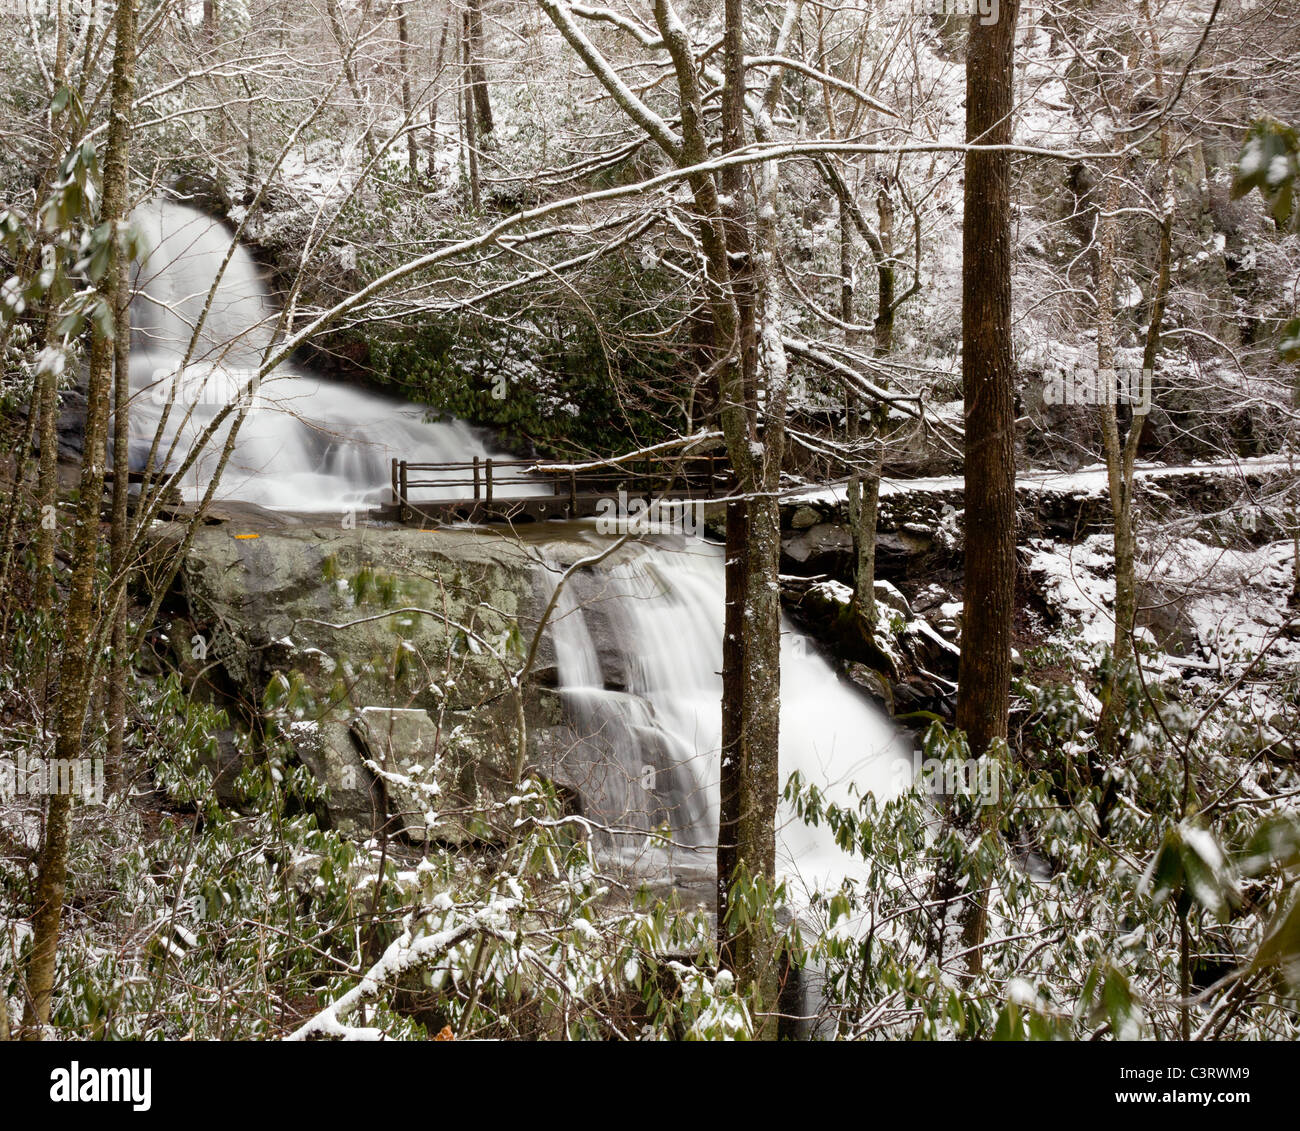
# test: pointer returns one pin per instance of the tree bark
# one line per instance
(983, 695)
(471, 123)
(120, 535)
(477, 72)
(408, 108)
(984, 673)
(78, 664)
(339, 29)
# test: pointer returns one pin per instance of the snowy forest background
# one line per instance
(718, 227)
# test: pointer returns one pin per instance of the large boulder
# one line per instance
(438, 779)
(355, 797)
(391, 646)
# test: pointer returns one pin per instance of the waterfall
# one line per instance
(637, 641)
(307, 444)
(639, 654)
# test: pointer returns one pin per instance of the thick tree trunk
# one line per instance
(751, 661)
(988, 388)
(984, 675)
(734, 662)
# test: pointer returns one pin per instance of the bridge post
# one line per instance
(397, 499)
(488, 478)
(573, 494)
(402, 481)
(476, 479)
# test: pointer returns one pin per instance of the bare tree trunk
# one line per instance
(1125, 595)
(339, 29)
(78, 664)
(751, 660)
(734, 661)
(757, 959)
(47, 476)
(433, 101)
(862, 494)
(984, 682)
(46, 402)
(987, 387)
(408, 109)
(10, 532)
(471, 123)
(733, 724)
(1121, 451)
(477, 73)
(120, 536)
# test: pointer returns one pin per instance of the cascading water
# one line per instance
(307, 444)
(639, 653)
(638, 642)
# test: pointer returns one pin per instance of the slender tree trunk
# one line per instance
(984, 681)
(733, 724)
(471, 122)
(78, 665)
(47, 399)
(408, 109)
(1121, 450)
(1125, 597)
(120, 536)
(47, 476)
(862, 494)
(734, 658)
(10, 531)
(339, 29)
(477, 72)
(433, 101)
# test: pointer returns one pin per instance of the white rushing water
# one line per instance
(638, 643)
(307, 444)
(652, 627)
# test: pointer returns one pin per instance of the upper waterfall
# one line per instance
(307, 443)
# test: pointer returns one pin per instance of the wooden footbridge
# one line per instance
(493, 490)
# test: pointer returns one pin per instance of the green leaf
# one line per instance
(1009, 1025)
(1281, 943)
(1164, 875)
(1275, 844)
(1121, 1010)
(1270, 162)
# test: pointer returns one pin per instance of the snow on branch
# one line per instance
(820, 76)
(406, 954)
(686, 443)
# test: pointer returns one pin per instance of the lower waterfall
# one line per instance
(639, 655)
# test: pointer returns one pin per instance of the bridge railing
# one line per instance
(488, 480)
